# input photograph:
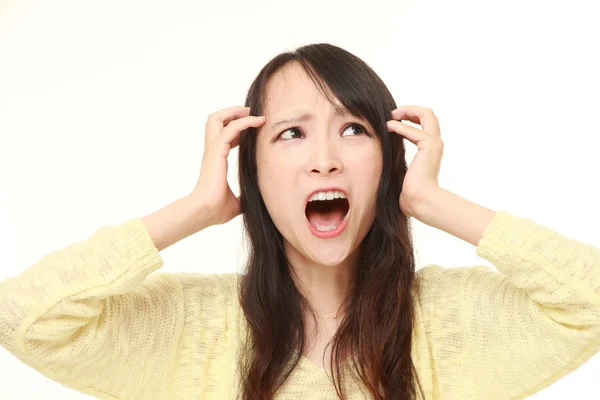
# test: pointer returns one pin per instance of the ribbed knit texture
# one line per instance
(93, 317)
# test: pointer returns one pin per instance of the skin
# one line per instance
(323, 151)
(289, 170)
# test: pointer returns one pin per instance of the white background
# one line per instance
(103, 106)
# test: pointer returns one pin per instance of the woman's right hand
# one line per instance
(212, 195)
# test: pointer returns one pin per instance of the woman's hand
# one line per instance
(423, 172)
(212, 196)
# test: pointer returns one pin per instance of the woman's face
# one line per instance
(324, 151)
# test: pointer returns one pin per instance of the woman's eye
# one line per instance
(295, 133)
(359, 128)
(283, 135)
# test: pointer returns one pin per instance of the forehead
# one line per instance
(291, 88)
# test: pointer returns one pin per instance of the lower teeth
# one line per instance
(327, 228)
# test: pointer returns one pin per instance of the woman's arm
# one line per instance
(453, 214)
(93, 317)
(175, 222)
(508, 335)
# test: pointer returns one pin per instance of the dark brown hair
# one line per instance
(377, 327)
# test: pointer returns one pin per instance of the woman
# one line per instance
(330, 305)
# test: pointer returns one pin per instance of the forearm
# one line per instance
(453, 214)
(175, 222)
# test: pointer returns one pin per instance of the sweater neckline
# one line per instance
(312, 366)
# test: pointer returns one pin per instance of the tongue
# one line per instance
(320, 219)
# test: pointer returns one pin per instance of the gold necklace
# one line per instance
(331, 316)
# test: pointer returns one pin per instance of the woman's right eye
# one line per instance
(283, 135)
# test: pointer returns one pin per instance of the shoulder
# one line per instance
(440, 289)
(432, 276)
(212, 282)
(212, 291)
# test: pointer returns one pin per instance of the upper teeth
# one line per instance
(330, 195)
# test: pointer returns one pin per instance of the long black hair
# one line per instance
(378, 324)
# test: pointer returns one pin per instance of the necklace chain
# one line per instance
(331, 316)
(328, 316)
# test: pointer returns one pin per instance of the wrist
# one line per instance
(425, 204)
(197, 211)
(174, 222)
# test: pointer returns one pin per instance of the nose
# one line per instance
(325, 158)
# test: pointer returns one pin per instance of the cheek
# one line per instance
(277, 185)
(277, 167)
(365, 172)
(366, 166)
(275, 182)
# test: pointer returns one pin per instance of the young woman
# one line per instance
(330, 305)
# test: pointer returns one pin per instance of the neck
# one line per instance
(324, 286)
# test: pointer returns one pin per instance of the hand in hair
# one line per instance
(212, 193)
(423, 172)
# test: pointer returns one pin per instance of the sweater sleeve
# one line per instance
(508, 335)
(88, 316)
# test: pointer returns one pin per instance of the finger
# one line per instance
(217, 120)
(419, 115)
(411, 133)
(230, 134)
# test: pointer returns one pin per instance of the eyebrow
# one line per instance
(303, 117)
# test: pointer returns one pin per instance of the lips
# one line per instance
(327, 218)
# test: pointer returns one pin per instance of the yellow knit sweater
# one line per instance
(95, 318)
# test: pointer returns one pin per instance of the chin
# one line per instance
(329, 256)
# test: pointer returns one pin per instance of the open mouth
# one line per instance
(327, 215)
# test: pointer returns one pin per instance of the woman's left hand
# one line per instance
(423, 172)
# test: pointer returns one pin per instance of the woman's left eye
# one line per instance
(358, 127)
